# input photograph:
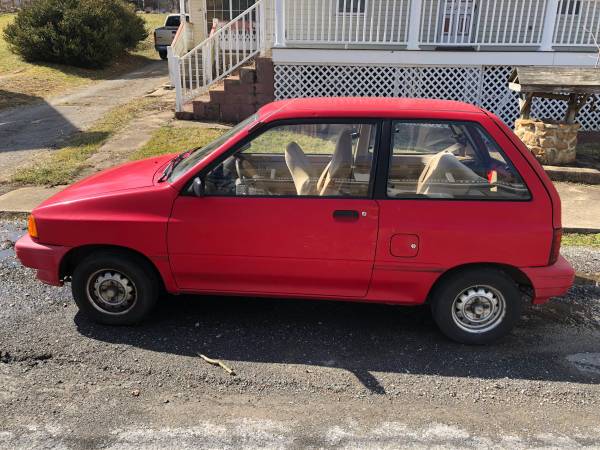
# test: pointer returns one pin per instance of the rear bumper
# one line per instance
(550, 281)
(44, 258)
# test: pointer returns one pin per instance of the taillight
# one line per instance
(555, 250)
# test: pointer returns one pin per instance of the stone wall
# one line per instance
(551, 142)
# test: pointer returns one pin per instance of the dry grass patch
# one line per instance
(62, 166)
(581, 240)
(169, 139)
(23, 83)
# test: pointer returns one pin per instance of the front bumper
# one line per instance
(550, 281)
(44, 258)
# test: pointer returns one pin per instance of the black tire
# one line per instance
(459, 321)
(129, 276)
(163, 55)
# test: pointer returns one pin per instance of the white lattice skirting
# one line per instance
(485, 86)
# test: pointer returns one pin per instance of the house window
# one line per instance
(226, 10)
(351, 6)
(571, 7)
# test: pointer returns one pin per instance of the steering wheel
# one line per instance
(243, 167)
(239, 158)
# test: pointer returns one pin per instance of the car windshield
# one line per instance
(201, 153)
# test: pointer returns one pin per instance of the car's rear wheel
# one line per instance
(476, 306)
(163, 54)
(114, 289)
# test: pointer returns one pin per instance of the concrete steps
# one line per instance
(238, 96)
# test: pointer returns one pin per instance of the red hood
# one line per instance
(134, 175)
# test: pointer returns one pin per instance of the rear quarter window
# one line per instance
(450, 160)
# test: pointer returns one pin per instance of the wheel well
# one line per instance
(515, 273)
(75, 255)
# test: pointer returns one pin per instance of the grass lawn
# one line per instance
(170, 139)
(22, 82)
(585, 240)
(62, 166)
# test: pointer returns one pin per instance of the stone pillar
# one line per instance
(552, 143)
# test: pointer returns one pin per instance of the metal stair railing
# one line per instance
(226, 49)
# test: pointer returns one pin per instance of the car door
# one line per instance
(455, 194)
(289, 211)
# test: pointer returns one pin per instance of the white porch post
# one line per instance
(175, 76)
(262, 27)
(182, 9)
(279, 23)
(414, 24)
(550, 19)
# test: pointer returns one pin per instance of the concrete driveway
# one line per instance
(26, 130)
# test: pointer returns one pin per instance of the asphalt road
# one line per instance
(309, 374)
(27, 130)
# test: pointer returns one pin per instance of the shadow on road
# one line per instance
(361, 338)
(18, 131)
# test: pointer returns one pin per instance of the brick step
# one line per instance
(239, 95)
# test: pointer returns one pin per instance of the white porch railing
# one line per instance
(225, 50)
(484, 22)
(347, 21)
(577, 23)
(179, 41)
(414, 23)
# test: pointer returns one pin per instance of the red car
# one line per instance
(396, 201)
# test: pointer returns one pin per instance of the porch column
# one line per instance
(182, 9)
(197, 12)
(550, 19)
(414, 24)
(279, 23)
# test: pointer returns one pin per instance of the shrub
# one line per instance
(83, 33)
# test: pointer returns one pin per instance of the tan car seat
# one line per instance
(300, 168)
(446, 176)
(339, 169)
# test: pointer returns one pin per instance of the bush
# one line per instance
(83, 33)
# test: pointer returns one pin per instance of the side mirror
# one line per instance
(198, 187)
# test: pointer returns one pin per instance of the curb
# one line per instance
(573, 174)
(581, 230)
(583, 279)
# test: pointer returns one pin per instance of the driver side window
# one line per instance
(309, 159)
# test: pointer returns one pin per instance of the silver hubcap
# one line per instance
(111, 292)
(478, 309)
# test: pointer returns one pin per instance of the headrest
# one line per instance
(341, 161)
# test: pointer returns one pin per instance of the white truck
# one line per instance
(164, 35)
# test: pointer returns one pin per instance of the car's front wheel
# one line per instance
(114, 289)
(476, 306)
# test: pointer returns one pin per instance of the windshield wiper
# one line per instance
(172, 164)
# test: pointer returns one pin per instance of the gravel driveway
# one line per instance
(309, 374)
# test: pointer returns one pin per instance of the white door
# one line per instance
(457, 21)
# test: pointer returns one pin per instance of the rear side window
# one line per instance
(450, 160)
(173, 21)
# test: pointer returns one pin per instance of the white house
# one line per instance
(454, 49)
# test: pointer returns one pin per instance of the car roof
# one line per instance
(361, 107)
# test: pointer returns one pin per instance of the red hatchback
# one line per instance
(396, 201)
